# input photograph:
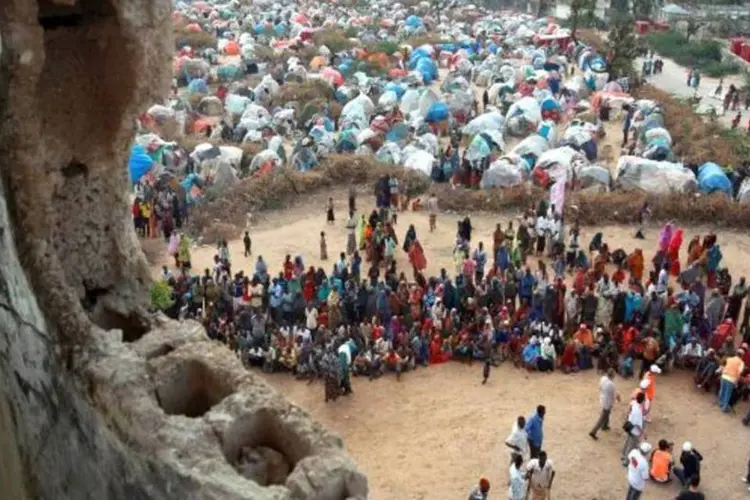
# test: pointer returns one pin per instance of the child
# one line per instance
(329, 212)
(323, 246)
(486, 370)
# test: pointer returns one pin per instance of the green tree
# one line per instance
(581, 14)
(643, 9)
(622, 47)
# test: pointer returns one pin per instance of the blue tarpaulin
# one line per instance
(429, 70)
(711, 178)
(198, 86)
(437, 113)
(139, 164)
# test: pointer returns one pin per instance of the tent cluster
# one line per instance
(288, 83)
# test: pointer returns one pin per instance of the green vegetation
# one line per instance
(706, 56)
(387, 47)
(161, 296)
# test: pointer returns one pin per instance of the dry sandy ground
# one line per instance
(432, 435)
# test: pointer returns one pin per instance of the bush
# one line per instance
(386, 47)
(161, 296)
(701, 54)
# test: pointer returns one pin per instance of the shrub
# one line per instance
(197, 40)
(161, 296)
(386, 47)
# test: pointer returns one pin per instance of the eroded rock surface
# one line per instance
(97, 399)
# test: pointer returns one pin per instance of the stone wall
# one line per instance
(97, 398)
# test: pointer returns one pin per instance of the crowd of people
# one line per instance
(592, 307)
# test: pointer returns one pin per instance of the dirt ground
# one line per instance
(432, 435)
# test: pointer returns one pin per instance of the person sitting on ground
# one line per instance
(531, 354)
(690, 459)
(690, 354)
(393, 362)
(568, 360)
(481, 491)
(662, 463)
(705, 371)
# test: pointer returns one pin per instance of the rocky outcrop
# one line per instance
(98, 399)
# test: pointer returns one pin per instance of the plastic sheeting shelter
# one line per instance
(139, 163)
(712, 179)
(654, 177)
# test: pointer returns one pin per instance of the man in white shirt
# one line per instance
(311, 318)
(691, 353)
(540, 473)
(607, 397)
(517, 440)
(635, 424)
(637, 471)
(516, 481)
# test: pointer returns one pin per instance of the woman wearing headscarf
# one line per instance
(409, 238)
(673, 253)
(361, 237)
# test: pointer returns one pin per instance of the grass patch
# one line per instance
(705, 55)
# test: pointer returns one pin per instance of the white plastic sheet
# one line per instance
(654, 177)
(421, 161)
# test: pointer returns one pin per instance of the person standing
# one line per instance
(540, 473)
(626, 124)
(248, 244)
(633, 427)
(517, 440)
(330, 217)
(730, 374)
(516, 481)
(637, 471)
(535, 431)
(607, 397)
(432, 208)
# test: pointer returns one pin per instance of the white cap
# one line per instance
(687, 446)
(645, 448)
(645, 383)
(655, 369)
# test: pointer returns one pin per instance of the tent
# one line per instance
(139, 163)
(654, 177)
(712, 179)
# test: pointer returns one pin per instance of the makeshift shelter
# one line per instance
(712, 179)
(654, 177)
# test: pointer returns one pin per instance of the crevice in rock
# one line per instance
(192, 389)
(261, 449)
(160, 351)
(74, 169)
(72, 13)
(133, 326)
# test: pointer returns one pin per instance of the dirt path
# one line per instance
(674, 80)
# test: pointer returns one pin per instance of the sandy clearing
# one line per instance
(433, 434)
